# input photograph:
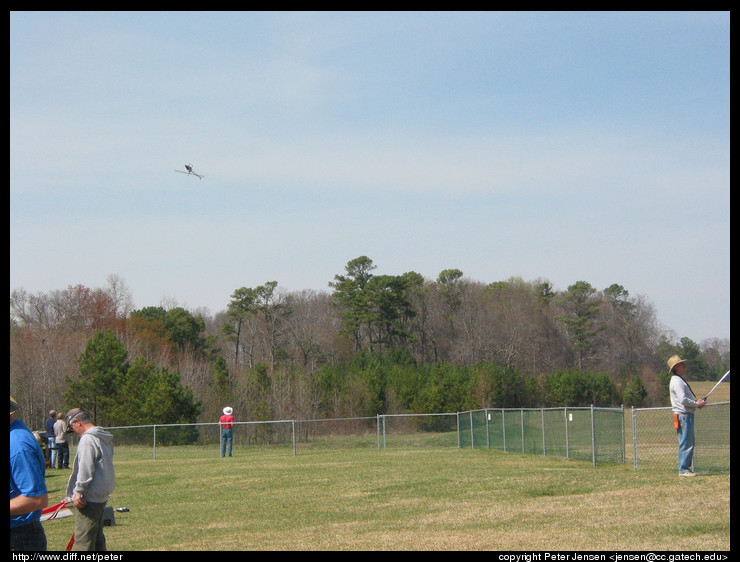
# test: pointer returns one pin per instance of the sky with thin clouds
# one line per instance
(575, 146)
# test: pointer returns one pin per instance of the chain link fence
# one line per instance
(655, 446)
(594, 434)
(295, 436)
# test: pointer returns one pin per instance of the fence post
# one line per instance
(292, 423)
(503, 426)
(154, 442)
(593, 435)
(567, 436)
(521, 421)
(377, 429)
(634, 437)
(544, 447)
(472, 436)
(488, 431)
(624, 455)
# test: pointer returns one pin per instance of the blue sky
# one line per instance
(558, 146)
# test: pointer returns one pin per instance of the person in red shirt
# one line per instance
(226, 421)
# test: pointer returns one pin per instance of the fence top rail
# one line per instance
(154, 425)
(338, 419)
(670, 407)
(415, 415)
(194, 423)
(599, 408)
(275, 421)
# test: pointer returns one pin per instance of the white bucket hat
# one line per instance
(228, 411)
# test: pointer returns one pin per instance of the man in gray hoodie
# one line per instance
(92, 480)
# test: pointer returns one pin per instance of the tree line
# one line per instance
(373, 344)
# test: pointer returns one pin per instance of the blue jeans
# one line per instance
(226, 438)
(685, 433)
(53, 451)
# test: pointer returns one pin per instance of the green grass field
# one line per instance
(430, 496)
(445, 499)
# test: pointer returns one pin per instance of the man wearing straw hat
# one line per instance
(683, 404)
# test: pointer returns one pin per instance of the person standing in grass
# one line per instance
(92, 481)
(28, 493)
(50, 439)
(62, 440)
(683, 404)
(226, 421)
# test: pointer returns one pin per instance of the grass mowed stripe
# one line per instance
(403, 500)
